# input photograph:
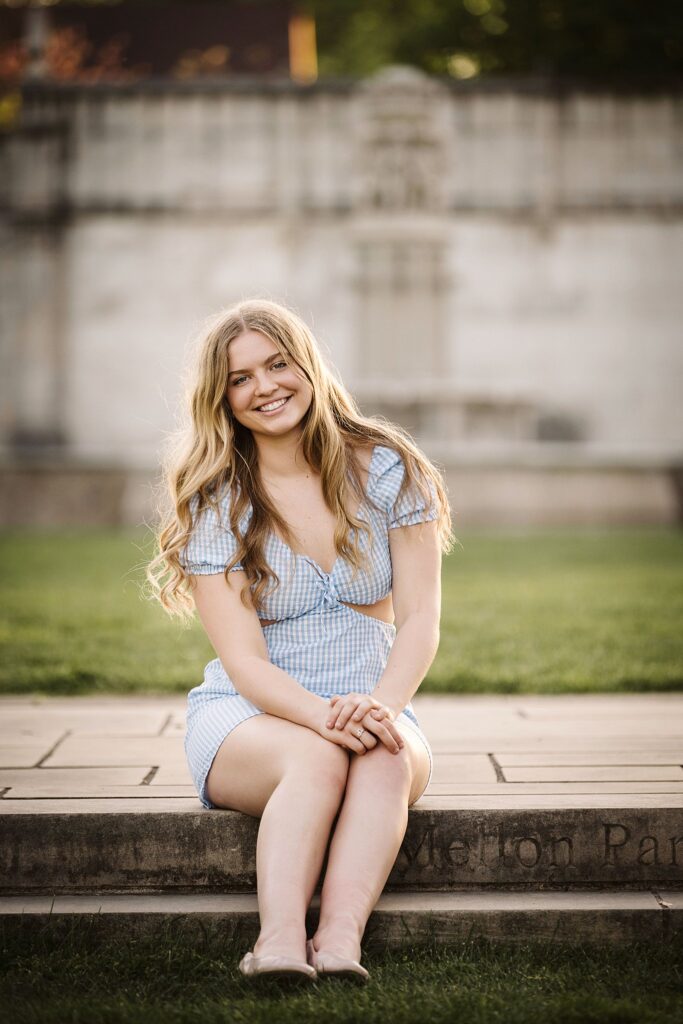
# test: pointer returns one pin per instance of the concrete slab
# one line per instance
(178, 903)
(172, 775)
(673, 900)
(593, 757)
(543, 801)
(67, 778)
(94, 751)
(100, 806)
(541, 743)
(605, 744)
(47, 792)
(596, 773)
(45, 783)
(148, 722)
(471, 845)
(571, 806)
(464, 768)
(27, 749)
(560, 789)
(447, 918)
(175, 725)
(672, 904)
(97, 715)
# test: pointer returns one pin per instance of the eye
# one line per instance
(280, 363)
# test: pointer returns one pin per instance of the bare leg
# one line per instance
(366, 840)
(294, 780)
(292, 838)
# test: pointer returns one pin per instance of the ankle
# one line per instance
(341, 935)
(283, 940)
(346, 922)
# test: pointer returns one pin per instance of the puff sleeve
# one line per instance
(411, 507)
(211, 544)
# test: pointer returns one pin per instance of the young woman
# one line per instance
(309, 539)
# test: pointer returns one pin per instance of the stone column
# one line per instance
(398, 234)
(35, 285)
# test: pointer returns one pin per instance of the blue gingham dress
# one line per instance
(319, 641)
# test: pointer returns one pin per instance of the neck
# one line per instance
(281, 457)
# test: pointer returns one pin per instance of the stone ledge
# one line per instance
(78, 769)
(620, 845)
(605, 917)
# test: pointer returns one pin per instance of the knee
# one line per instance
(332, 764)
(395, 769)
(325, 764)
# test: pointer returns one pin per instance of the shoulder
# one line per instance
(212, 543)
(383, 458)
(404, 506)
(214, 514)
(210, 514)
(386, 469)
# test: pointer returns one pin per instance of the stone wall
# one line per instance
(495, 266)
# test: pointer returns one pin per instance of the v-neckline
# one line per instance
(307, 558)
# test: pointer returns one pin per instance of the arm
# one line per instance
(416, 594)
(237, 638)
(416, 562)
(416, 590)
(234, 628)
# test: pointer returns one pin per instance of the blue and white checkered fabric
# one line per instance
(322, 643)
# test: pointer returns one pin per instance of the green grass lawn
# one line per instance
(542, 612)
(166, 980)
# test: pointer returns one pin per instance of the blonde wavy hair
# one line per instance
(215, 452)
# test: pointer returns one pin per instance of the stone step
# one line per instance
(602, 842)
(397, 920)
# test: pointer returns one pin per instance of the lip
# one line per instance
(274, 412)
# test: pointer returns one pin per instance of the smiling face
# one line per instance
(266, 392)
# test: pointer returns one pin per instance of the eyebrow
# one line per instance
(267, 360)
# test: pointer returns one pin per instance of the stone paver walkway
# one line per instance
(123, 753)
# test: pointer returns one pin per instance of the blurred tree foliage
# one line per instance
(605, 40)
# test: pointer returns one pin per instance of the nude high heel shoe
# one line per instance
(334, 965)
(283, 966)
